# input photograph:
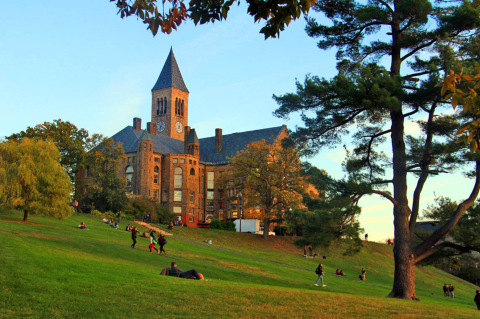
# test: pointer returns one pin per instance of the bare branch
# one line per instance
(386, 195)
(418, 49)
(440, 246)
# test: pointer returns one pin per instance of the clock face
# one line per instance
(179, 127)
(161, 126)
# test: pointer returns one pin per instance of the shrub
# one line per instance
(216, 224)
(95, 212)
(230, 226)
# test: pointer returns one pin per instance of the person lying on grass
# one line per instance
(177, 272)
(82, 226)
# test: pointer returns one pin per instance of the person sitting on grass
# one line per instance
(116, 226)
(82, 226)
(337, 272)
(170, 226)
(342, 273)
(105, 220)
(128, 228)
(177, 272)
(145, 234)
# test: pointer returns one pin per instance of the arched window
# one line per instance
(192, 171)
(129, 175)
(161, 106)
(158, 106)
(165, 105)
(176, 105)
(178, 178)
(156, 170)
(182, 107)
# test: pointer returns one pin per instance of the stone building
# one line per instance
(169, 163)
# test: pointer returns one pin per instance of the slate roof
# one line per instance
(170, 75)
(232, 143)
(145, 137)
(161, 144)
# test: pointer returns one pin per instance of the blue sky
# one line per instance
(84, 64)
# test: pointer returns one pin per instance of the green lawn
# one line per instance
(50, 268)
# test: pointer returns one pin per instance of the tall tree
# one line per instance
(32, 179)
(379, 101)
(106, 188)
(267, 175)
(277, 14)
(71, 142)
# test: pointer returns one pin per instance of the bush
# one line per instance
(95, 212)
(139, 205)
(218, 224)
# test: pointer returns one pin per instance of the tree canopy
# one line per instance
(424, 41)
(32, 179)
(268, 176)
(277, 14)
(106, 188)
(72, 143)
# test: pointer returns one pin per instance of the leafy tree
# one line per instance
(277, 14)
(267, 175)
(106, 190)
(139, 205)
(71, 142)
(380, 101)
(32, 179)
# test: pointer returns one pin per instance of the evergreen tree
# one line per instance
(380, 101)
(32, 179)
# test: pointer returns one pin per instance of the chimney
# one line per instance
(186, 131)
(218, 140)
(137, 123)
(151, 128)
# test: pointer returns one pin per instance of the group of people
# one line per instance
(362, 276)
(390, 242)
(147, 217)
(339, 272)
(110, 222)
(448, 290)
(161, 240)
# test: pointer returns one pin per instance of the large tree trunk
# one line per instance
(266, 227)
(25, 214)
(404, 277)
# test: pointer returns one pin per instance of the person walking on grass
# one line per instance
(134, 237)
(119, 215)
(363, 274)
(319, 272)
(451, 291)
(162, 241)
(305, 251)
(144, 216)
(445, 290)
(477, 299)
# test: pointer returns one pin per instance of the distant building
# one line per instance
(169, 163)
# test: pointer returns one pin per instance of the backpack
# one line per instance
(164, 240)
(317, 271)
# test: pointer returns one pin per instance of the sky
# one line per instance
(84, 64)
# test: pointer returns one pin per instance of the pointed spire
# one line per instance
(192, 137)
(145, 137)
(170, 75)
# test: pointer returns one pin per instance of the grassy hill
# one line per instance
(50, 268)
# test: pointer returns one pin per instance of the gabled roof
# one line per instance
(170, 75)
(192, 137)
(161, 144)
(233, 143)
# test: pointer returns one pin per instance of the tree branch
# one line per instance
(418, 49)
(386, 195)
(440, 246)
(442, 231)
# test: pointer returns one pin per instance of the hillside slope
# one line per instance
(50, 268)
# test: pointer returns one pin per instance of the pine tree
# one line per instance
(379, 101)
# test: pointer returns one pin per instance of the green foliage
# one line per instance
(137, 206)
(71, 142)
(32, 179)
(276, 14)
(95, 212)
(218, 224)
(106, 191)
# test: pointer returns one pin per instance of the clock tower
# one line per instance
(170, 101)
